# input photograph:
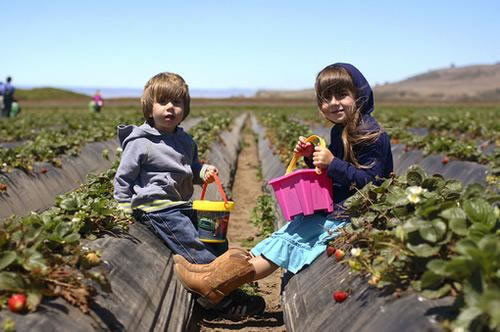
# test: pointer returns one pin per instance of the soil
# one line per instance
(243, 234)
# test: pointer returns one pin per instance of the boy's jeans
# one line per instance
(178, 228)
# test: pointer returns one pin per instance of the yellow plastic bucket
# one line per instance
(213, 216)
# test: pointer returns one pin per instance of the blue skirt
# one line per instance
(299, 242)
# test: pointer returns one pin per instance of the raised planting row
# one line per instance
(50, 143)
(462, 133)
(465, 171)
(78, 257)
(453, 226)
(36, 190)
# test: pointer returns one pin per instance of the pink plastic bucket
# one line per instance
(303, 191)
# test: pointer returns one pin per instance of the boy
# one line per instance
(155, 178)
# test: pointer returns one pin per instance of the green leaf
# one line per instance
(415, 176)
(69, 204)
(433, 183)
(433, 231)
(459, 268)
(430, 280)
(465, 246)
(33, 300)
(477, 231)
(467, 316)
(437, 266)
(10, 281)
(456, 220)
(7, 258)
(480, 211)
(423, 249)
(74, 237)
(438, 293)
(490, 244)
(397, 197)
(35, 261)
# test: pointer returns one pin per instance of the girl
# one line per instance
(359, 153)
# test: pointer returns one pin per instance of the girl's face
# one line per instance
(335, 109)
(168, 114)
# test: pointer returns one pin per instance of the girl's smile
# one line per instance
(334, 109)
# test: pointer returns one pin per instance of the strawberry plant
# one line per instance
(431, 235)
(42, 254)
(284, 133)
(207, 131)
(263, 215)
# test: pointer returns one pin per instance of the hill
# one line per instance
(468, 83)
(38, 94)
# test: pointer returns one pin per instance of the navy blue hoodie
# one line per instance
(379, 153)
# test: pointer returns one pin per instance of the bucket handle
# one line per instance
(221, 190)
(293, 162)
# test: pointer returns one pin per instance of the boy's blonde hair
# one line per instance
(337, 81)
(164, 87)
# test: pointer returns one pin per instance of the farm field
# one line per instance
(434, 235)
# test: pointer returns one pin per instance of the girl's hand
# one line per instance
(304, 148)
(210, 174)
(322, 157)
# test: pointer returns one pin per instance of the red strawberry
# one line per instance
(406, 148)
(3, 187)
(340, 296)
(445, 160)
(339, 255)
(17, 302)
(330, 250)
(43, 170)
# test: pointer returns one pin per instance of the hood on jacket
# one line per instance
(127, 133)
(364, 93)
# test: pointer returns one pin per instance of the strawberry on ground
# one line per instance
(330, 250)
(17, 302)
(445, 160)
(339, 255)
(340, 296)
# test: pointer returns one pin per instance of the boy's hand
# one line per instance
(304, 148)
(322, 157)
(209, 174)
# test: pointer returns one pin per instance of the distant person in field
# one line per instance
(1, 98)
(155, 179)
(359, 153)
(8, 96)
(97, 101)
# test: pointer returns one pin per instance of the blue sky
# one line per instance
(239, 44)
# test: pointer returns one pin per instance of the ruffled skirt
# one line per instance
(299, 242)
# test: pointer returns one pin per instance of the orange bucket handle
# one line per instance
(293, 162)
(221, 190)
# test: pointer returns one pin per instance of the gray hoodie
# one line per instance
(157, 170)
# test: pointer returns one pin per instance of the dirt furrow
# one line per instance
(243, 234)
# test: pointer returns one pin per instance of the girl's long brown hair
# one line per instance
(336, 81)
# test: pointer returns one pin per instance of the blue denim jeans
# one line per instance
(178, 228)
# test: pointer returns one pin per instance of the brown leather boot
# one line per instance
(178, 259)
(227, 273)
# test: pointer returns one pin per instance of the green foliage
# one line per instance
(207, 132)
(284, 133)
(67, 134)
(434, 236)
(43, 254)
(263, 215)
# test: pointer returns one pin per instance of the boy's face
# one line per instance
(168, 114)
